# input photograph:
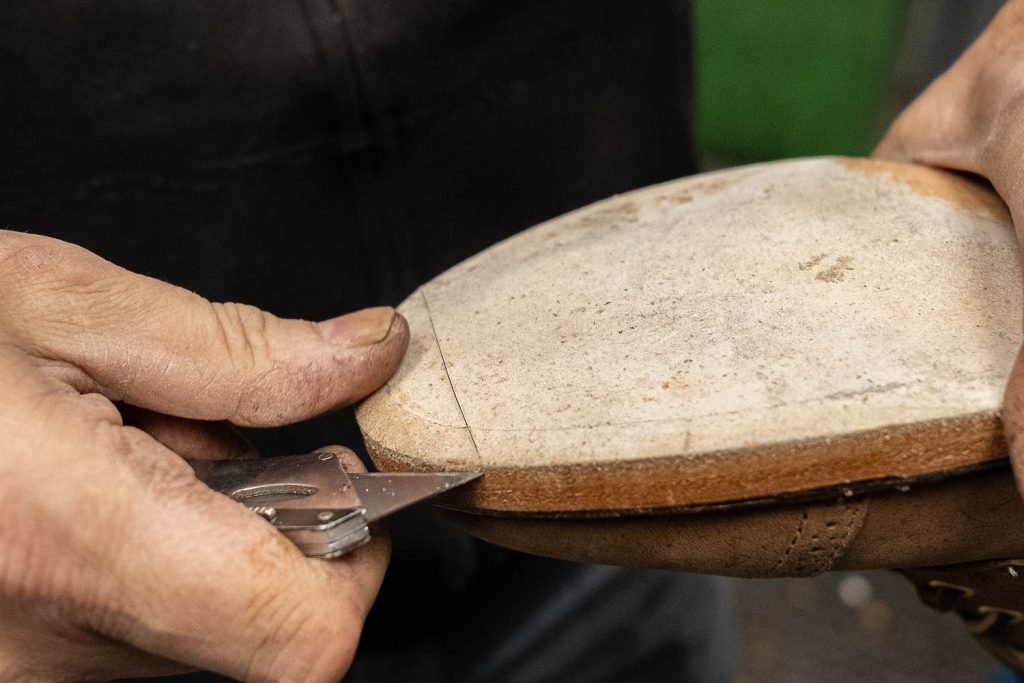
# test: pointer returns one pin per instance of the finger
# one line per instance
(934, 130)
(109, 532)
(349, 460)
(228, 591)
(161, 347)
(194, 439)
(1013, 418)
(959, 121)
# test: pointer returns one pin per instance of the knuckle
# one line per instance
(271, 385)
(28, 264)
(50, 285)
(142, 457)
(25, 249)
(46, 261)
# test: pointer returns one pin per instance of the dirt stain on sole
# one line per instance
(837, 271)
(965, 191)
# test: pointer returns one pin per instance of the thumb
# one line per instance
(1013, 419)
(163, 348)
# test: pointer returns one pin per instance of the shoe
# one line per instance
(775, 370)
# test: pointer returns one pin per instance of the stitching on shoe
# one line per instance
(853, 517)
(796, 538)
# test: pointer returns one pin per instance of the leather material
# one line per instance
(770, 371)
(929, 525)
(782, 330)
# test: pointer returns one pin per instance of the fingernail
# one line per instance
(361, 328)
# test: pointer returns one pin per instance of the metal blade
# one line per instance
(381, 493)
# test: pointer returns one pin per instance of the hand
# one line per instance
(972, 119)
(114, 560)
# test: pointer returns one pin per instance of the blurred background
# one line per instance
(801, 77)
(793, 78)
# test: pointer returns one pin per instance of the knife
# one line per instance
(312, 500)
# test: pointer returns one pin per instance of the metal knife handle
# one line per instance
(323, 533)
(309, 498)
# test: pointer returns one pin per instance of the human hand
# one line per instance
(114, 560)
(972, 119)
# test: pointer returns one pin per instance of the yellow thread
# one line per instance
(1015, 615)
(967, 592)
(981, 625)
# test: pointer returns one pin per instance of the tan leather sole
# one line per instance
(856, 463)
(734, 373)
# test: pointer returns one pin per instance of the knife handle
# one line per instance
(309, 498)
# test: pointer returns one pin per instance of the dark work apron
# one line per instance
(316, 156)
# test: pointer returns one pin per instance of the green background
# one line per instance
(786, 78)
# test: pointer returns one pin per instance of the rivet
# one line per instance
(266, 512)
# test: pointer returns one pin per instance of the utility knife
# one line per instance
(312, 500)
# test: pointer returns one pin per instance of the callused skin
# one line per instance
(972, 119)
(114, 560)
